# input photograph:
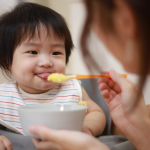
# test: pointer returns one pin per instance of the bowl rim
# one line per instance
(26, 108)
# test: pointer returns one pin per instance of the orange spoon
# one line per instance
(60, 78)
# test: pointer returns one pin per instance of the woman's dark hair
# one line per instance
(105, 10)
(22, 22)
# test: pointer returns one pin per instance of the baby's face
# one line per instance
(34, 60)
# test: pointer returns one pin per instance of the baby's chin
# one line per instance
(43, 84)
(47, 86)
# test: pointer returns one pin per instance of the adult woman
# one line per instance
(123, 26)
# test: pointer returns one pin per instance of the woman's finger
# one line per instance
(104, 86)
(105, 72)
(106, 95)
(120, 80)
(46, 145)
(111, 84)
(68, 140)
(47, 134)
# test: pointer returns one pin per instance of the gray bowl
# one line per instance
(55, 116)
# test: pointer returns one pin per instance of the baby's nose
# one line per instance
(46, 62)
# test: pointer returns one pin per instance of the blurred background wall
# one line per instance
(74, 13)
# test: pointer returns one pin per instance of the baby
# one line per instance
(35, 42)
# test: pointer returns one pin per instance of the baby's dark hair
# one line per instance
(22, 22)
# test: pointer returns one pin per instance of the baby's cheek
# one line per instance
(61, 67)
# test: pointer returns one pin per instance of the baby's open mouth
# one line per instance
(43, 75)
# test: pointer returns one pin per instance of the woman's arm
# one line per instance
(95, 120)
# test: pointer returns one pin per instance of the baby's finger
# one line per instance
(2, 146)
(7, 144)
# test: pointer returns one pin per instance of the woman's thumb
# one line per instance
(119, 79)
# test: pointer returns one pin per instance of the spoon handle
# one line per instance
(96, 76)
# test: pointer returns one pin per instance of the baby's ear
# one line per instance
(10, 67)
(3, 69)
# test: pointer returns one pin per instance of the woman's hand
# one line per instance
(129, 114)
(65, 140)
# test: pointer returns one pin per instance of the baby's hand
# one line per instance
(5, 144)
(86, 130)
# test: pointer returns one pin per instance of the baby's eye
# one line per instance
(32, 52)
(56, 53)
